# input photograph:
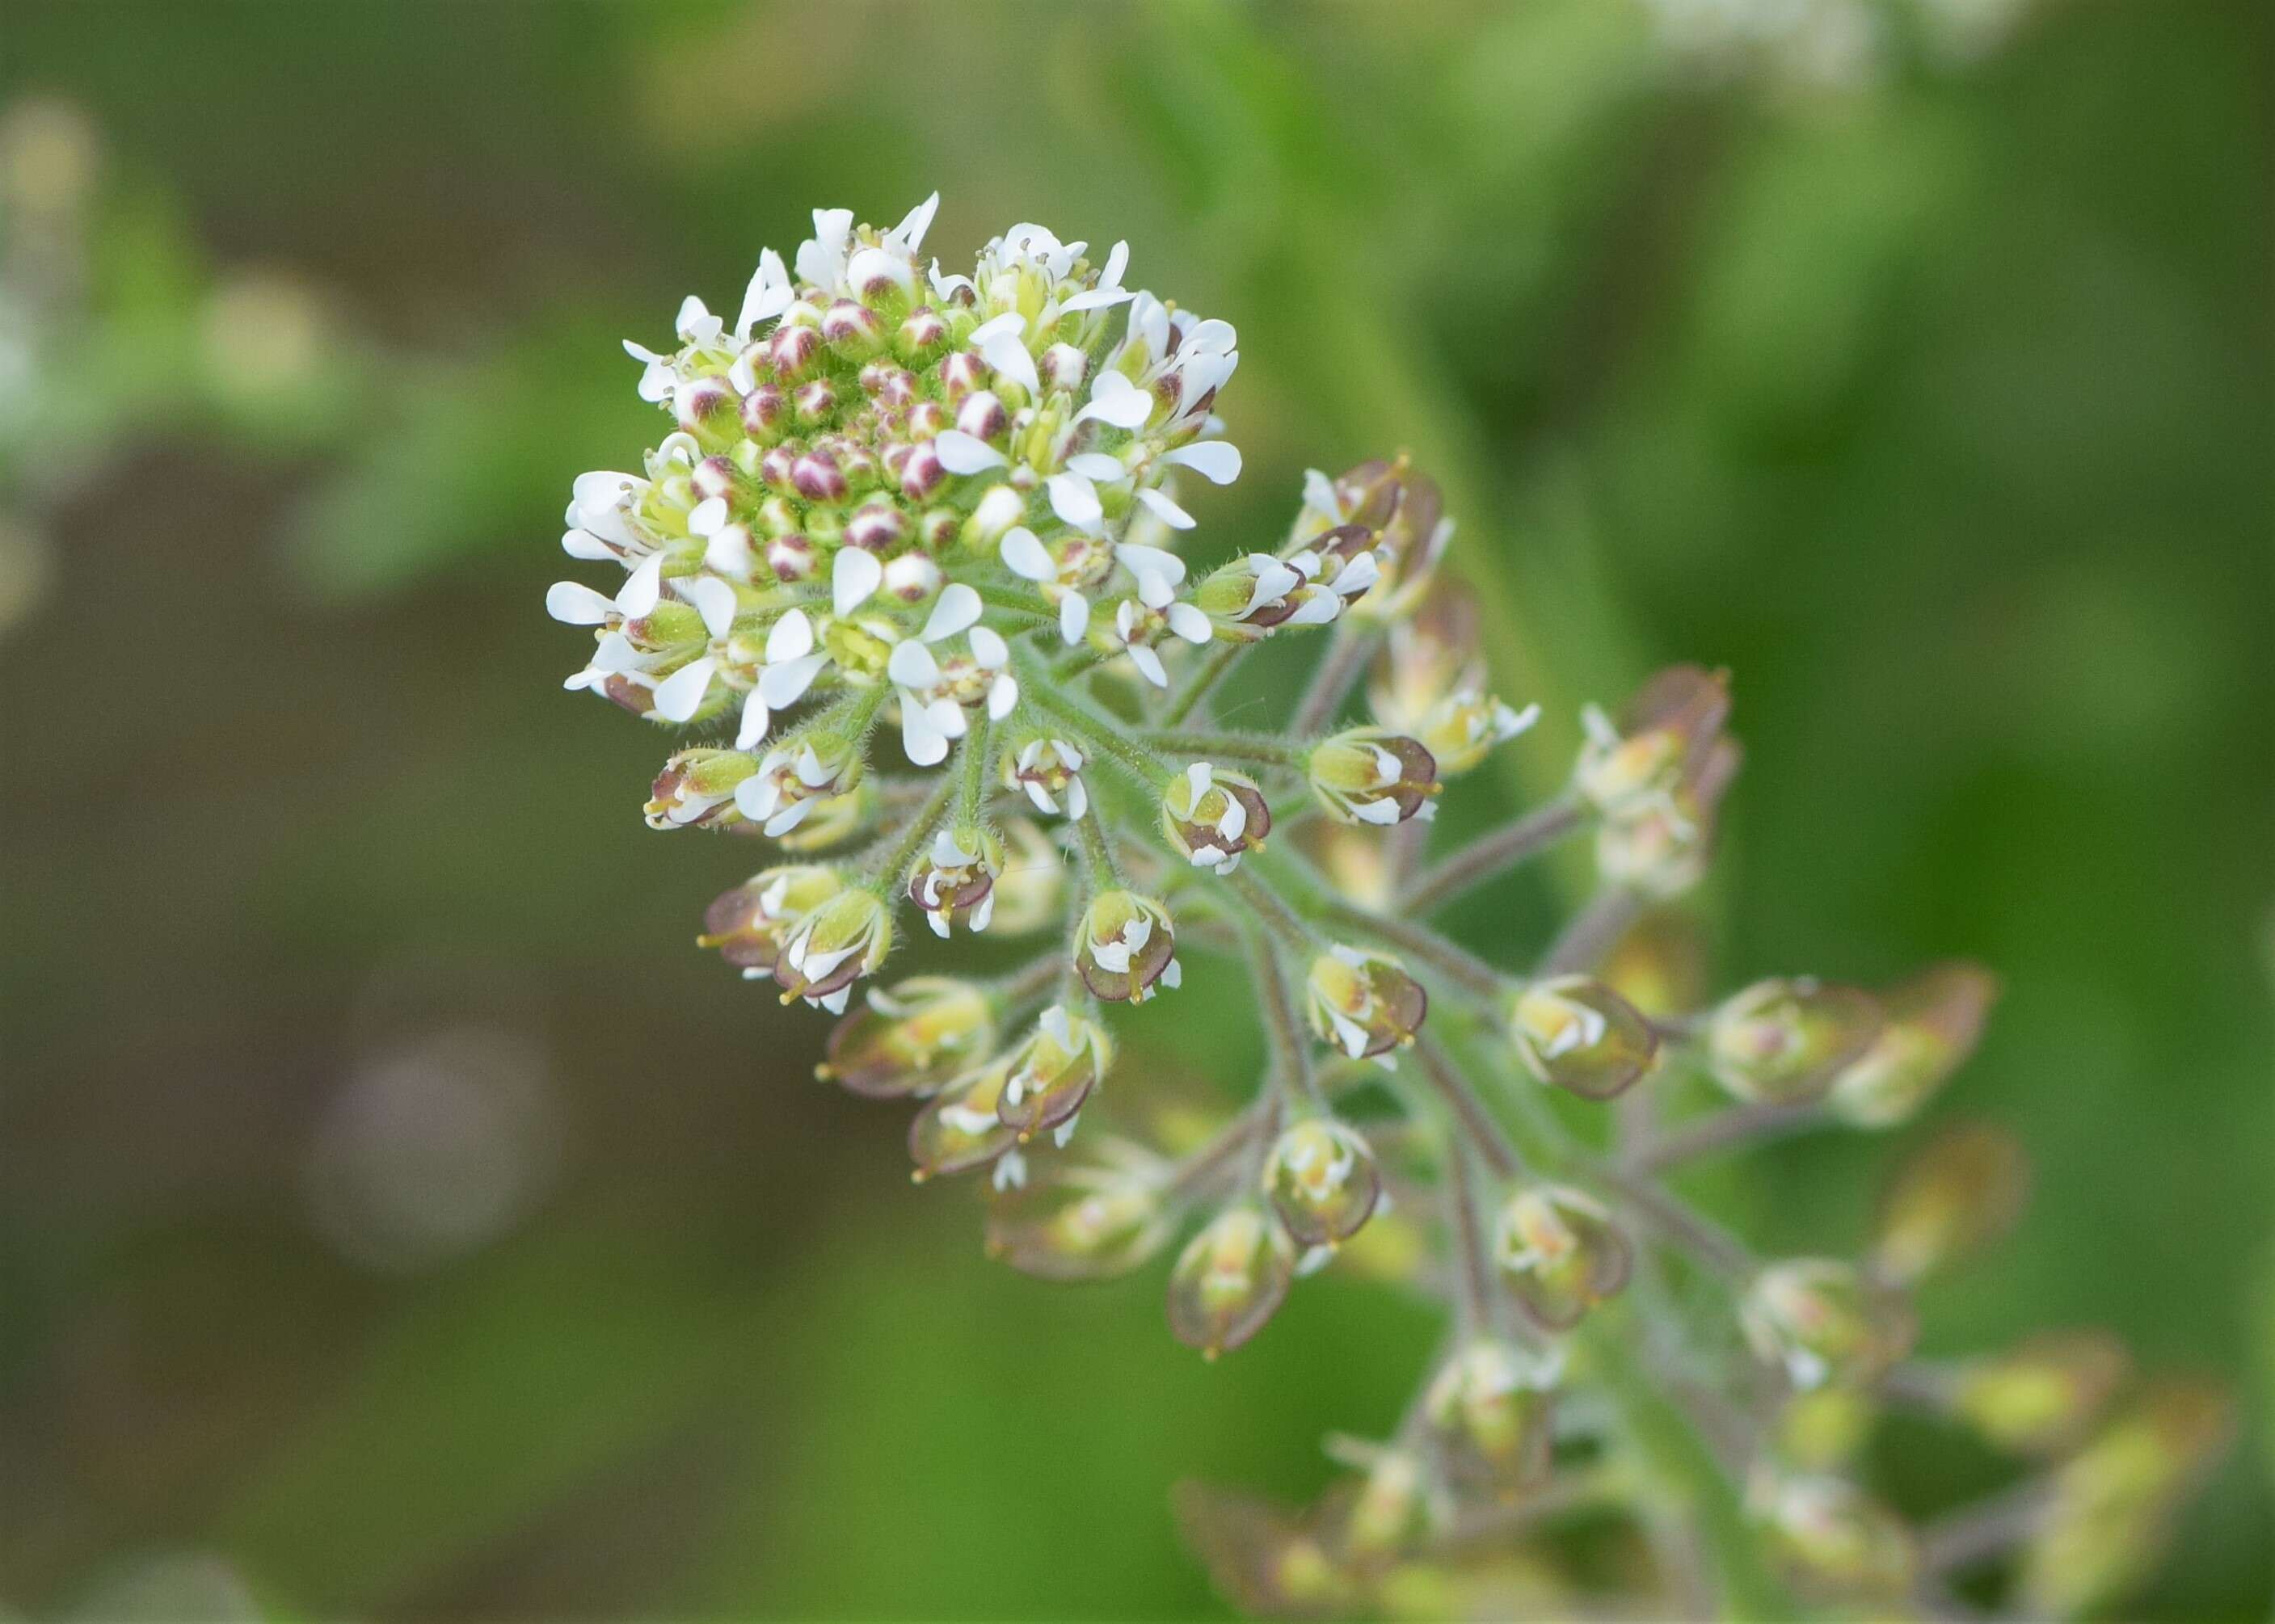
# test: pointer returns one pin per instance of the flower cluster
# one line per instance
(895, 497)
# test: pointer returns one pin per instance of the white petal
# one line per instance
(792, 638)
(1214, 460)
(1169, 512)
(1074, 617)
(1006, 353)
(1097, 466)
(1316, 610)
(1002, 696)
(768, 296)
(988, 648)
(756, 720)
(680, 695)
(961, 453)
(1074, 499)
(1151, 560)
(729, 553)
(910, 234)
(582, 543)
(1382, 811)
(1149, 665)
(642, 588)
(1199, 778)
(1025, 556)
(615, 654)
(1096, 299)
(573, 603)
(1187, 621)
(957, 608)
(713, 600)
(912, 665)
(869, 264)
(852, 580)
(924, 744)
(1115, 399)
(781, 686)
(1040, 796)
(1077, 795)
(705, 517)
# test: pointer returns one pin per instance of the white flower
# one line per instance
(790, 780)
(600, 515)
(1050, 770)
(933, 699)
(794, 654)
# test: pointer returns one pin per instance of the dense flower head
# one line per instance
(908, 566)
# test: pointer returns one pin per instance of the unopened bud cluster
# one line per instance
(906, 562)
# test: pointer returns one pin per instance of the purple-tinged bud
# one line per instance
(1063, 366)
(697, 789)
(1125, 947)
(766, 409)
(713, 477)
(981, 415)
(792, 558)
(1364, 1003)
(1658, 845)
(926, 420)
(700, 403)
(1575, 1033)
(1783, 1041)
(1961, 1192)
(1321, 1179)
(748, 923)
(921, 336)
(1561, 1252)
(834, 945)
(959, 1130)
(1492, 1407)
(936, 530)
(1659, 742)
(1934, 1021)
(1373, 776)
(877, 527)
(910, 1038)
(1052, 1074)
(776, 468)
(960, 373)
(1230, 1278)
(793, 351)
(922, 473)
(1822, 1322)
(1213, 816)
(2039, 1398)
(954, 880)
(857, 464)
(814, 401)
(912, 577)
(853, 330)
(818, 478)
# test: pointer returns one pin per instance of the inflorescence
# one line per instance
(950, 505)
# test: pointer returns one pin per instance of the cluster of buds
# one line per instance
(893, 498)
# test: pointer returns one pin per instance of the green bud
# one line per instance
(911, 1037)
(1321, 1179)
(954, 882)
(1576, 1033)
(1084, 1220)
(1659, 742)
(1052, 1072)
(1492, 1407)
(697, 789)
(1825, 1428)
(1229, 1280)
(1364, 1003)
(961, 1129)
(1212, 816)
(1265, 1563)
(1659, 847)
(1125, 947)
(1833, 1540)
(1957, 1194)
(834, 945)
(1820, 1321)
(1933, 1023)
(1373, 776)
(1398, 1505)
(749, 924)
(1561, 1252)
(1782, 1042)
(2037, 1399)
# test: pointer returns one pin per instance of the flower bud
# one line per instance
(960, 1129)
(794, 778)
(1212, 816)
(1398, 1505)
(1782, 1042)
(1049, 771)
(1957, 1194)
(1030, 891)
(1575, 1033)
(953, 882)
(1338, 567)
(1820, 1321)
(1462, 728)
(910, 1038)
(697, 787)
(1831, 1539)
(2037, 1399)
(1369, 775)
(835, 945)
(1364, 1003)
(1933, 1023)
(1052, 1072)
(1229, 1280)
(1086, 1220)
(1658, 743)
(1321, 1179)
(1255, 595)
(2113, 1502)
(748, 925)
(1562, 1253)
(1492, 1406)
(1407, 515)
(832, 822)
(1659, 848)
(1124, 947)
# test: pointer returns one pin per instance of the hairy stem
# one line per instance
(1737, 1128)
(1593, 932)
(1490, 1139)
(1492, 854)
(1347, 655)
(1198, 685)
(1232, 746)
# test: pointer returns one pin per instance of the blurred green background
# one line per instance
(403, 1220)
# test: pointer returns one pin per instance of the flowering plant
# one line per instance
(950, 505)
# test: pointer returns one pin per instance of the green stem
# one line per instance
(1232, 746)
(1150, 772)
(1290, 1045)
(1492, 854)
(971, 785)
(1104, 875)
(892, 868)
(1276, 914)
(1347, 655)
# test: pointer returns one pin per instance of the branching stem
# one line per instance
(1493, 854)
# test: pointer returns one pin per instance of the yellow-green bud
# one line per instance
(1211, 816)
(1782, 1042)
(1961, 1191)
(834, 945)
(1933, 1023)
(1321, 1179)
(1374, 776)
(1229, 1280)
(1821, 1322)
(749, 924)
(1561, 1252)
(1576, 1033)
(1492, 1407)
(1052, 1072)
(911, 1037)
(1125, 947)
(2040, 1397)
(1832, 1539)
